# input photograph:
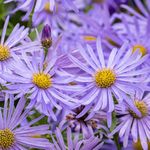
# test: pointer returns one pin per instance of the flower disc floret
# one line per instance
(141, 106)
(7, 138)
(42, 80)
(4, 53)
(141, 48)
(105, 78)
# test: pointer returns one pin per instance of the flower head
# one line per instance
(15, 134)
(10, 48)
(14, 45)
(45, 84)
(131, 123)
(44, 10)
(135, 31)
(104, 78)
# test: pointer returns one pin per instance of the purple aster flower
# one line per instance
(15, 135)
(29, 5)
(42, 81)
(9, 48)
(105, 78)
(93, 143)
(47, 15)
(93, 27)
(135, 31)
(44, 10)
(131, 123)
(78, 123)
(14, 45)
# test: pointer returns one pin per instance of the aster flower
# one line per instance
(9, 47)
(131, 123)
(135, 31)
(75, 144)
(42, 81)
(104, 79)
(44, 9)
(93, 27)
(13, 134)
(46, 15)
(78, 123)
(14, 45)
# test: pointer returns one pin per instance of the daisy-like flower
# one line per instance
(93, 27)
(78, 123)
(14, 45)
(44, 9)
(93, 143)
(105, 78)
(14, 134)
(135, 31)
(10, 47)
(41, 80)
(47, 15)
(131, 123)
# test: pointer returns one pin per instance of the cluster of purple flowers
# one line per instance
(83, 82)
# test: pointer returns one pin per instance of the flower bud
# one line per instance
(46, 39)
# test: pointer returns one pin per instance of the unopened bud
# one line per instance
(46, 39)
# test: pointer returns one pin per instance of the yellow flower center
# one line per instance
(7, 139)
(105, 78)
(141, 106)
(42, 80)
(141, 48)
(4, 53)
(47, 7)
(89, 38)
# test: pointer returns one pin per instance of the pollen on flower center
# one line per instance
(105, 78)
(42, 80)
(141, 48)
(7, 139)
(47, 6)
(4, 53)
(89, 38)
(141, 106)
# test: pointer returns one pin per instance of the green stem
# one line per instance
(116, 139)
